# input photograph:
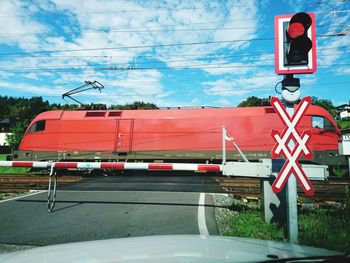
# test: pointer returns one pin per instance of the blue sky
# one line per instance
(171, 53)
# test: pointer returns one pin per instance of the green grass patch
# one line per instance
(250, 224)
(343, 124)
(11, 170)
(339, 171)
(324, 228)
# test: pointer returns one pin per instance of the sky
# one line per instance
(171, 53)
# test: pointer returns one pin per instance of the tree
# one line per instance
(22, 111)
(253, 101)
(14, 138)
(326, 104)
(137, 105)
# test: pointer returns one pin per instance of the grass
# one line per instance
(250, 224)
(340, 171)
(325, 228)
(343, 124)
(11, 170)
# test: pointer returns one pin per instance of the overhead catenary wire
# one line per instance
(136, 46)
(223, 65)
(158, 9)
(145, 30)
(208, 58)
(214, 55)
(207, 91)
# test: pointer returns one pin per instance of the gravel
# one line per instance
(222, 203)
(4, 196)
(227, 206)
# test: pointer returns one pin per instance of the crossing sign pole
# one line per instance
(292, 144)
(292, 209)
(291, 187)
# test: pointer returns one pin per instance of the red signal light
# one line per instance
(296, 30)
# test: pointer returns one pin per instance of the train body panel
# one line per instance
(166, 134)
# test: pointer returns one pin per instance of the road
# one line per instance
(112, 207)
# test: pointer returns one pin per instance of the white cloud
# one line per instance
(32, 89)
(242, 85)
(224, 102)
(103, 24)
(342, 71)
(16, 22)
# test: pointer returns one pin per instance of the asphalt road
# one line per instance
(149, 182)
(111, 207)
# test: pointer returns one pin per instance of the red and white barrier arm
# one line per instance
(116, 166)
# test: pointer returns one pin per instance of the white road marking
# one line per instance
(203, 230)
(22, 196)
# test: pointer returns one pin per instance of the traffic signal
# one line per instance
(298, 42)
(295, 44)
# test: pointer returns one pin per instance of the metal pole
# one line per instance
(292, 209)
(223, 145)
(290, 95)
(349, 167)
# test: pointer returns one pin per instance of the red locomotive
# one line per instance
(168, 135)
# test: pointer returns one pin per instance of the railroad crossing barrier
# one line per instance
(262, 170)
(54, 166)
(115, 166)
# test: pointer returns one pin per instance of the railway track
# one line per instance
(12, 183)
(331, 190)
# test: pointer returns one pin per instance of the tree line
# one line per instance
(23, 110)
(255, 101)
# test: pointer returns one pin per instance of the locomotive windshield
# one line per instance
(37, 127)
(319, 122)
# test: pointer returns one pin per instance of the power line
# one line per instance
(152, 62)
(206, 57)
(167, 9)
(223, 65)
(135, 47)
(218, 54)
(196, 92)
(213, 57)
(138, 31)
(148, 30)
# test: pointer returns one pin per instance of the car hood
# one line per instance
(167, 249)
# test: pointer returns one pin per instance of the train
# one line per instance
(169, 135)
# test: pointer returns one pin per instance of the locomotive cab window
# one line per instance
(319, 122)
(37, 127)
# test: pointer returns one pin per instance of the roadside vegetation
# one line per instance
(322, 227)
(344, 124)
(11, 170)
(326, 104)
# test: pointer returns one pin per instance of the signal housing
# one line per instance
(295, 44)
